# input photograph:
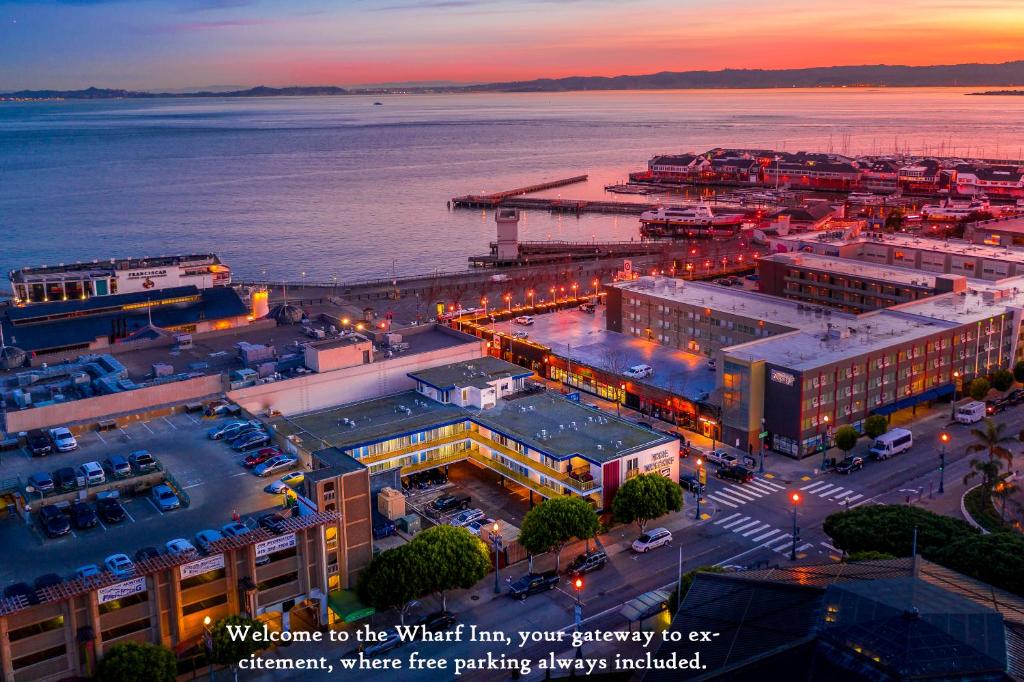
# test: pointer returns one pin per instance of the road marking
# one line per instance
(741, 494)
(731, 516)
(127, 514)
(770, 533)
(727, 504)
(732, 498)
(821, 491)
(745, 518)
(194, 485)
(803, 548)
(101, 524)
(760, 486)
(755, 530)
(169, 423)
(834, 549)
(737, 529)
(782, 538)
(151, 502)
(100, 436)
(867, 499)
(852, 498)
(771, 484)
(240, 473)
(816, 484)
(147, 428)
(124, 434)
(837, 492)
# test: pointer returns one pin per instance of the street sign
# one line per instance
(702, 476)
(762, 435)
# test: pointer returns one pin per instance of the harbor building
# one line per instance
(799, 371)
(68, 282)
(486, 412)
(1005, 232)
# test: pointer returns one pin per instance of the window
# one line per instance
(38, 657)
(202, 579)
(278, 581)
(198, 606)
(124, 602)
(126, 629)
(36, 628)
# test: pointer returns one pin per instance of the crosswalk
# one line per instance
(834, 493)
(767, 536)
(735, 495)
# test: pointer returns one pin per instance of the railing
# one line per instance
(536, 486)
(438, 461)
(415, 447)
(543, 469)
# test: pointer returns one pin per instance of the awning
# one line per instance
(646, 605)
(910, 401)
(346, 605)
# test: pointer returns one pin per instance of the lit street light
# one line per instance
(702, 478)
(208, 637)
(795, 499)
(495, 538)
(578, 611)
(944, 437)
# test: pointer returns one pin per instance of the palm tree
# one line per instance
(988, 470)
(990, 439)
(1003, 488)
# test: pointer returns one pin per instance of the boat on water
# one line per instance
(628, 189)
(689, 222)
(865, 198)
(951, 209)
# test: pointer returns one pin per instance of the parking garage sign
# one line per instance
(194, 568)
(275, 544)
(121, 590)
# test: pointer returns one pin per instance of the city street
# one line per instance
(741, 525)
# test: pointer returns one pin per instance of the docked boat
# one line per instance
(689, 222)
(865, 198)
(954, 210)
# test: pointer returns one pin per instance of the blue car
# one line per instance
(164, 498)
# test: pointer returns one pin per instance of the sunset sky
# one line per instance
(150, 44)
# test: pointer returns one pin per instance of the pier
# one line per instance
(496, 198)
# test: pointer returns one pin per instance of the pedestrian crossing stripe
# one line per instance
(852, 498)
(745, 526)
(763, 536)
(759, 529)
(727, 504)
(731, 516)
(733, 523)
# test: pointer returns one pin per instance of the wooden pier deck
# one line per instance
(496, 198)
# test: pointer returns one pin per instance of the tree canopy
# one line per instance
(554, 522)
(684, 586)
(1002, 379)
(1018, 371)
(457, 559)
(875, 425)
(137, 661)
(979, 388)
(228, 650)
(997, 558)
(646, 497)
(394, 579)
(846, 438)
(890, 529)
(992, 440)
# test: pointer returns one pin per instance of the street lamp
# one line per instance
(208, 636)
(530, 294)
(483, 302)
(944, 437)
(825, 445)
(554, 299)
(956, 383)
(597, 290)
(764, 445)
(495, 538)
(795, 499)
(508, 300)
(574, 286)
(618, 400)
(700, 486)
(578, 612)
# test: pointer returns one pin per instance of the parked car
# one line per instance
(691, 483)
(90, 473)
(752, 278)
(110, 510)
(525, 320)
(480, 526)
(391, 641)
(532, 583)
(205, 538)
(274, 464)
(639, 372)
(47, 580)
(63, 439)
(147, 553)
(143, 462)
(39, 444)
(587, 307)
(437, 621)
(652, 539)
(120, 565)
(722, 281)
(588, 562)
(180, 547)
(260, 456)
(520, 335)
(21, 590)
(164, 498)
(219, 431)
(234, 529)
(41, 481)
(249, 441)
(738, 473)
(53, 521)
(849, 465)
(237, 428)
(1016, 396)
(722, 458)
(118, 466)
(83, 515)
(217, 407)
(450, 502)
(274, 522)
(464, 517)
(87, 571)
(997, 405)
(289, 480)
(65, 479)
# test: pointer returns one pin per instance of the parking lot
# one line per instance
(209, 473)
(507, 504)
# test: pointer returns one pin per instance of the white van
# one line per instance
(970, 412)
(90, 473)
(892, 443)
(639, 372)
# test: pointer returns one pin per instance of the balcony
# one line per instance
(526, 481)
(415, 447)
(577, 484)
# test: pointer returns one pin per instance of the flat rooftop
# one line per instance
(582, 337)
(856, 268)
(478, 373)
(544, 421)
(1014, 224)
(953, 246)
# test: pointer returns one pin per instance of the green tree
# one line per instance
(997, 559)
(987, 471)
(979, 388)
(869, 555)
(232, 639)
(646, 497)
(875, 425)
(395, 579)
(992, 439)
(458, 559)
(1018, 371)
(894, 221)
(684, 586)
(137, 661)
(846, 438)
(890, 528)
(552, 524)
(1004, 488)
(1002, 379)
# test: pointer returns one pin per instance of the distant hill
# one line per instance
(1010, 73)
(108, 93)
(999, 93)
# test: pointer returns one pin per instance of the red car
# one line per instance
(260, 456)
